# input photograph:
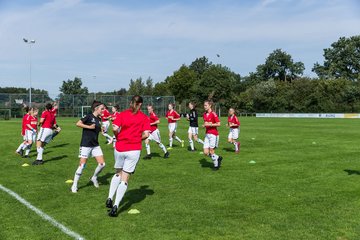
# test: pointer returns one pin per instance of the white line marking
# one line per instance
(42, 214)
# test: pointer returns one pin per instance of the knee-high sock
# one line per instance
(178, 139)
(115, 181)
(98, 169)
(236, 146)
(54, 134)
(120, 192)
(27, 151)
(78, 173)
(108, 137)
(200, 141)
(147, 146)
(215, 158)
(191, 144)
(40, 151)
(170, 142)
(25, 146)
(162, 147)
(20, 147)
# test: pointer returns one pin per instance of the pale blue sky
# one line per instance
(119, 40)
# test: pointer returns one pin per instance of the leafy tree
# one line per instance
(161, 89)
(181, 83)
(136, 87)
(279, 65)
(342, 60)
(73, 87)
(200, 65)
(149, 87)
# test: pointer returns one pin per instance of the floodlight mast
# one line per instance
(29, 42)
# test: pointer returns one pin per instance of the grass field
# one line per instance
(305, 184)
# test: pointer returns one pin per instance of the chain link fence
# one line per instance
(75, 105)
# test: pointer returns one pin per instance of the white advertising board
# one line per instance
(308, 115)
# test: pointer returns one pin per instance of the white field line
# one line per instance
(42, 214)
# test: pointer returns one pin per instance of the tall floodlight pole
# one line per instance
(29, 42)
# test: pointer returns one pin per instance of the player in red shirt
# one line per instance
(20, 150)
(233, 124)
(211, 122)
(30, 130)
(172, 116)
(154, 134)
(115, 113)
(130, 128)
(57, 128)
(105, 117)
(47, 122)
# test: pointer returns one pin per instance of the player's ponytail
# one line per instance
(136, 102)
(26, 109)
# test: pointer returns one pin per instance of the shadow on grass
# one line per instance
(56, 158)
(157, 155)
(60, 145)
(228, 149)
(134, 196)
(352, 172)
(46, 152)
(103, 180)
(205, 164)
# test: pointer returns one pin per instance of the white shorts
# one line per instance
(211, 141)
(172, 127)
(233, 133)
(155, 136)
(86, 152)
(30, 135)
(126, 160)
(45, 135)
(105, 126)
(193, 130)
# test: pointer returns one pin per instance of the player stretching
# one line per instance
(89, 145)
(130, 128)
(20, 149)
(47, 122)
(115, 113)
(57, 128)
(211, 122)
(193, 131)
(234, 124)
(172, 117)
(30, 131)
(105, 117)
(154, 133)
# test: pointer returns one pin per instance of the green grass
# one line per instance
(296, 189)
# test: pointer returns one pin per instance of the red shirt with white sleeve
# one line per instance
(131, 125)
(233, 119)
(153, 118)
(171, 115)
(32, 121)
(105, 116)
(212, 118)
(23, 124)
(49, 119)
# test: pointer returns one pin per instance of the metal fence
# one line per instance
(72, 105)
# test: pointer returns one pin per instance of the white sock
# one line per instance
(147, 146)
(120, 192)
(170, 142)
(115, 181)
(40, 151)
(108, 137)
(215, 157)
(162, 147)
(78, 174)
(178, 139)
(25, 145)
(28, 150)
(236, 146)
(191, 144)
(200, 141)
(20, 147)
(98, 169)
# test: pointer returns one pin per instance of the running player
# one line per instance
(20, 150)
(233, 124)
(105, 117)
(211, 122)
(30, 131)
(47, 122)
(130, 128)
(172, 117)
(193, 131)
(89, 146)
(154, 134)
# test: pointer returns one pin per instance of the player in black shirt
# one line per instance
(89, 146)
(193, 131)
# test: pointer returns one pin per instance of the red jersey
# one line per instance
(171, 115)
(105, 116)
(233, 119)
(32, 121)
(153, 118)
(115, 115)
(213, 118)
(49, 119)
(23, 125)
(132, 126)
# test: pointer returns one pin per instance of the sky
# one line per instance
(107, 43)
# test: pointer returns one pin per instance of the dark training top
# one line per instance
(193, 117)
(90, 136)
